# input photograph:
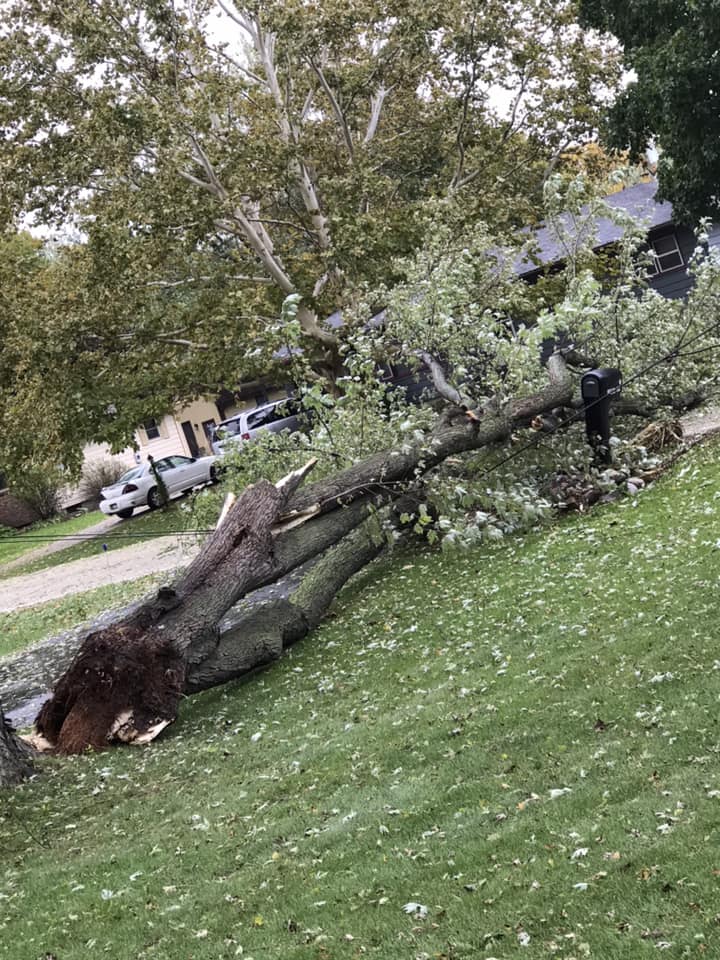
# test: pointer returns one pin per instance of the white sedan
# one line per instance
(139, 487)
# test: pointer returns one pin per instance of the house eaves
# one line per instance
(548, 248)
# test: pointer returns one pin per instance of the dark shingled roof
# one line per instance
(639, 201)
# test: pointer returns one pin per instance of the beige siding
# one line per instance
(170, 441)
(172, 438)
(240, 405)
(196, 414)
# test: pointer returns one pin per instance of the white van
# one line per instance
(280, 415)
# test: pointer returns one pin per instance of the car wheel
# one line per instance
(153, 498)
(126, 513)
(212, 476)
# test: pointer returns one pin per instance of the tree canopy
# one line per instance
(216, 157)
(672, 47)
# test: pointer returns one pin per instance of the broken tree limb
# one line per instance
(230, 499)
(130, 677)
(388, 473)
(442, 385)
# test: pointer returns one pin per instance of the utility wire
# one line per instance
(90, 537)
(96, 536)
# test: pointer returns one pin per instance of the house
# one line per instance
(184, 431)
(187, 429)
(671, 244)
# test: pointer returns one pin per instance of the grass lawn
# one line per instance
(14, 543)
(511, 752)
(143, 527)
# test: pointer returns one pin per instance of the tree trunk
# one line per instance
(127, 679)
(14, 757)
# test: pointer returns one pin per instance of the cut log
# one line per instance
(127, 679)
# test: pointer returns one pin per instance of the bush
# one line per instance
(98, 474)
(41, 489)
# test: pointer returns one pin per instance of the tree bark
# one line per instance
(254, 637)
(15, 762)
(127, 679)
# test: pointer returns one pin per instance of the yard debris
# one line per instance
(659, 434)
(418, 910)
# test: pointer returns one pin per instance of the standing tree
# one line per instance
(673, 99)
(220, 156)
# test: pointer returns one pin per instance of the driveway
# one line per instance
(113, 566)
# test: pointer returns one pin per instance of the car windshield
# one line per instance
(130, 475)
(260, 417)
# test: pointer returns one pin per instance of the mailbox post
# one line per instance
(598, 387)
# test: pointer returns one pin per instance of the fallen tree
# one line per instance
(127, 679)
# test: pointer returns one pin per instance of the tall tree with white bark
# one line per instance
(219, 156)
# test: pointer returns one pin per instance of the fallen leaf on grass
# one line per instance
(417, 909)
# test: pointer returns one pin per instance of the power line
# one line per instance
(91, 537)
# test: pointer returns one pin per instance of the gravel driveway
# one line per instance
(113, 566)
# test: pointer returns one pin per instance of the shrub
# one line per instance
(41, 488)
(97, 474)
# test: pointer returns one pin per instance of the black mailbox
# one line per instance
(598, 387)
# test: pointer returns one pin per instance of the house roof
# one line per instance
(639, 201)
(547, 248)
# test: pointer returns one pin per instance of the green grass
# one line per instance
(524, 739)
(14, 543)
(146, 526)
(21, 628)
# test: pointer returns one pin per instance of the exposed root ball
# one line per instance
(123, 685)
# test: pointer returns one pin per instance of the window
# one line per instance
(260, 418)
(130, 475)
(152, 429)
(230, 428)
(666, 254)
